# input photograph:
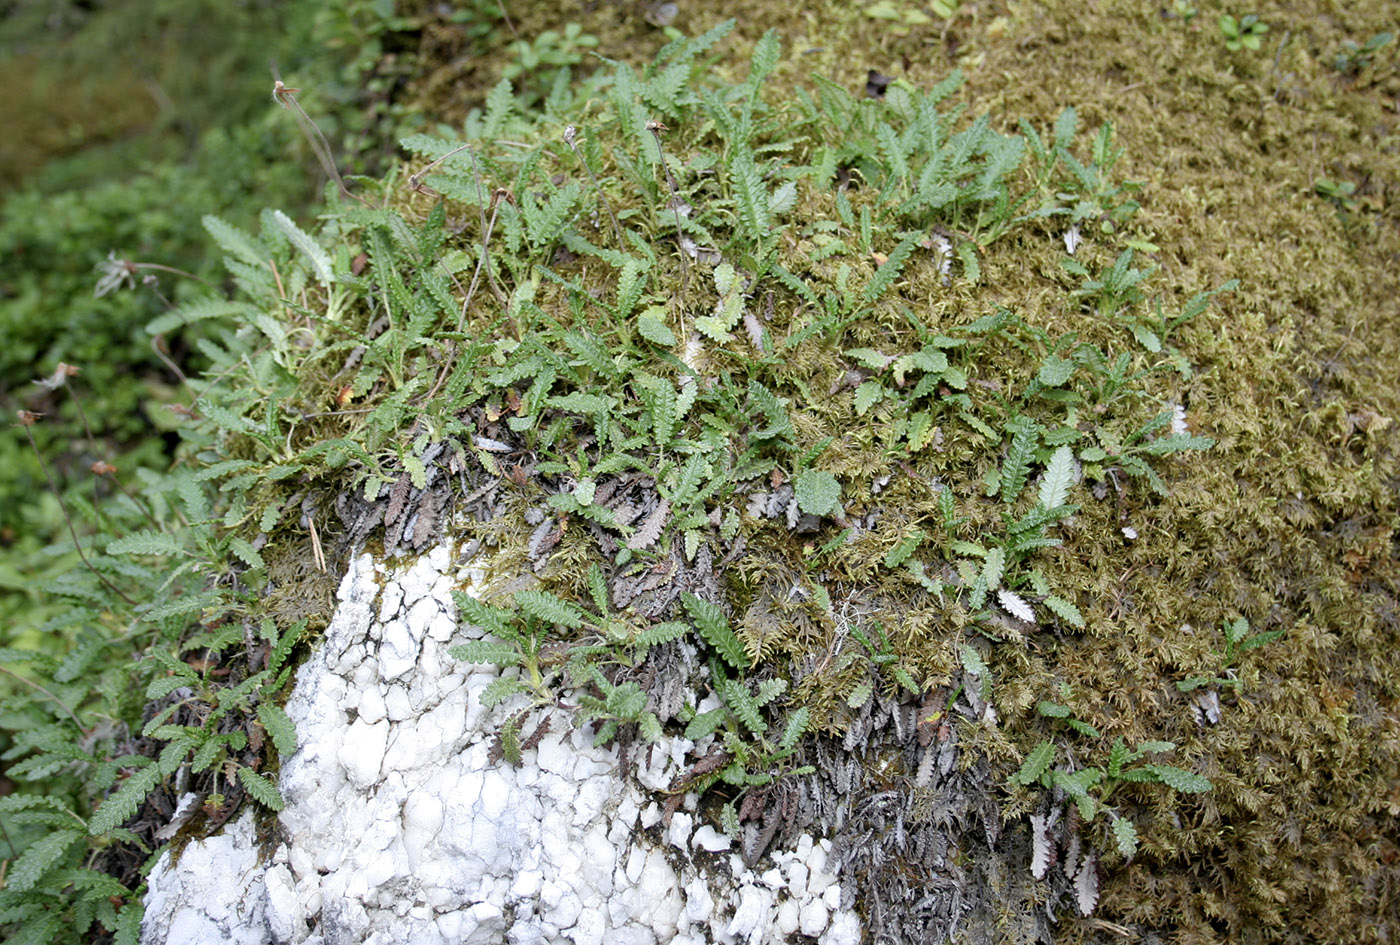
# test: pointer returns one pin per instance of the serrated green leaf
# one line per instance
(972, 663)
(1052, 710)
(692, 474)
(890, 270)
(868, 394)
(750, 196)
(184, 605)
(320, 260)
(714, 629)
(869, 357)
(1077, 786)
(901, 552)
(706, 723)
(817, 491)
(237, 243)
(1065, 611)
(972, 269)
(1024, 436)
(860, 695)
(38, 858)
(551, 609)
(653, 328)
(1125, 835)
(119, 807)
(499, 690)
(741, 702)
(261, 789)
(978, 424)
(1036, 764)
(279, 727)
(495, 652)
(245, 552)
(1054, 371)
(796, 727)
(1180, 780)
(128, 930)
(729, 820)
(1058, 477)
(993, 568)
(661, 633)
(145, 543)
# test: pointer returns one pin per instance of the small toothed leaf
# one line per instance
(653, 328)
(859, 695)
(1016, 607)
(119, 807)
(714, 628)
(993, 568)
(261, 789)
(1065, 611)
(1054, 371)
(279, 727)
(818, 492)
(1058, 477)
(900, 553)
(1086, 885)
(1125, 834)
(551, 609)
(1036, 764)
(1042, 847)
(1180, 780)
(38, 858)
(795, 729)
(495, 652)
(145, 543)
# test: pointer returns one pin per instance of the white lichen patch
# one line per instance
(400, 828)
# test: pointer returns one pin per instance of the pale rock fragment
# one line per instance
(751, 914)
(844, 930)
(679, 832)
(710, 839)
(589, 929)
(814, 918)
(789, 916)
(396, 704)
(398, 651)
(362, 751)
(390, 600)
(371, 707)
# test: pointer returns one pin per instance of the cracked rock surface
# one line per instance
(399, 826)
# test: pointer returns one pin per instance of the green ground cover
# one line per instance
(898, 312)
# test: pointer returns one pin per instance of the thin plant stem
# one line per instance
(506, 16)
(27, 420)
(656, 127)
(55, 699)
(415, 180)
(570, 132)
(319, 145)
(170, 269)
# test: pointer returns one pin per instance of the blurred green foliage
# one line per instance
(126, 123)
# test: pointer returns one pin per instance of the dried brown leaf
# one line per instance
(650, 530)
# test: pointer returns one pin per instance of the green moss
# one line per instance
(1290, 520)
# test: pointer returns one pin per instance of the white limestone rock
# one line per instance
(398, 828)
